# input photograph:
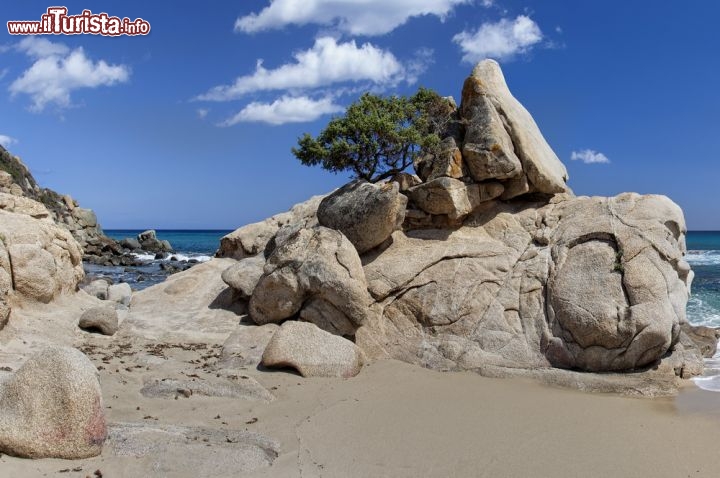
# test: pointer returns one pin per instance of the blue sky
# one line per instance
(191, 126)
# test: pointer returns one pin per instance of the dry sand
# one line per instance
(398, 420)
(392, 420)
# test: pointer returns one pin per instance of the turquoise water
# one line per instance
(190, 243)
(704, 258)
(189, 246)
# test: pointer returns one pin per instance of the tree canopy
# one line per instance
(378, 136)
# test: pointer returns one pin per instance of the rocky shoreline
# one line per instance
(484, 261)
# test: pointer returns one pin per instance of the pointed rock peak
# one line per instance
(502, 140)
(490, 73)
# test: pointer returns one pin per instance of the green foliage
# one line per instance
(618, 266)
(11, 166)
(22, 177)
(378, 136)
(50, 199)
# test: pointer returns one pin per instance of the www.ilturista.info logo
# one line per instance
(57, 22)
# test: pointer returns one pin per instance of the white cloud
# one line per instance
(501, 40)
(424, 57)
(589, 156)
(325, 63)
(41, 47)
(286, 109)
(6, 141)
(202, 113)
(57, 71)
(364, 17)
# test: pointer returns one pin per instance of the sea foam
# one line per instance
(703, 258)
(177, 256)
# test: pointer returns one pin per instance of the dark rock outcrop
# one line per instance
(149, 242)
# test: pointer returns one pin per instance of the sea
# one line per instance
(192, 246)
(704, 304)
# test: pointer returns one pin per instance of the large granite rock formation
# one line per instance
(498, 268)
(595, 284)
(38, 261)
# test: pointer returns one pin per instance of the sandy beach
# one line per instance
(397, 420)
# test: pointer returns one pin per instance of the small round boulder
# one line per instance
(52, 407)
(99, 319)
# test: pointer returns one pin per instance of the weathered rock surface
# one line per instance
(252, 239)
(149, 242)
(244, 347)
(595, 284)
(6, 179)
(131, 243)
(631, 248)
(448, 162)
(244, 388)
(491, 148)
(23, 205)
(312, 351)
(97, 288)
(86, 218)
(502, 140)
(244, 275)
(365, 213)
(705, 338)
(452, 197)
(196, 305)
(406, 181)
(120, 293)
(100, 319)
(317, 263)
(39, 260)
(52, 407)
(173, 450)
